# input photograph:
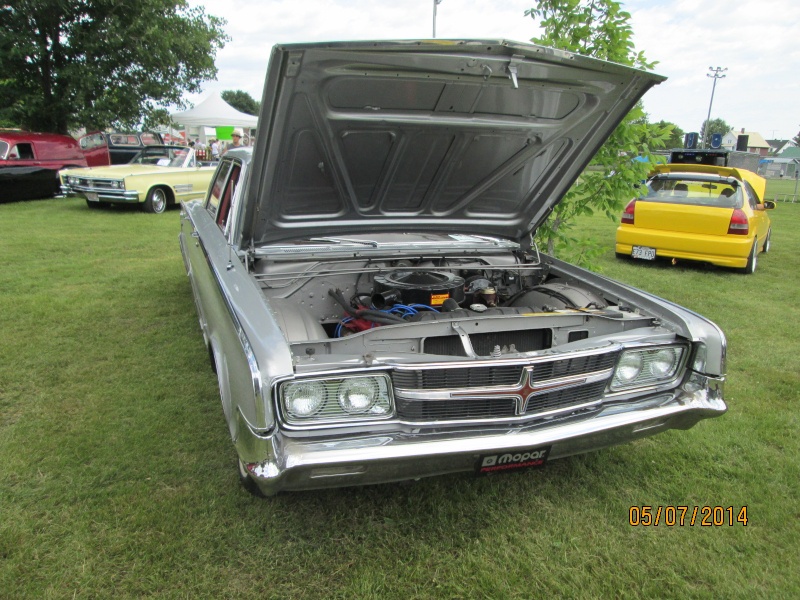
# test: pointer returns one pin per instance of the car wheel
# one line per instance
(156, 201)
(247, 481)
(752, 260)
(767, 241)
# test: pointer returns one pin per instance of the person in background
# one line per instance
(236, 136)
(214, 149)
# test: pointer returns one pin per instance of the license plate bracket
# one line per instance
(92, 197)
(512, 460)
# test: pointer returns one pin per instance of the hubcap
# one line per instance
(159, 201)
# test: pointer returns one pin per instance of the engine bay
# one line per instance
(451, 306)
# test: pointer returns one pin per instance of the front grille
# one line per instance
(573, 366)
(97, 184)
(483, 380)
(463, 377)
(565, 398)
(493, 376)
(432, 410)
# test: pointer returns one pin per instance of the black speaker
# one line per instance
(690, 140)
(741, 143)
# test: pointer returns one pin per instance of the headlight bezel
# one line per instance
(646, 377)
(332, 411)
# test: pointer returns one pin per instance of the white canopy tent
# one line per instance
(213, 112)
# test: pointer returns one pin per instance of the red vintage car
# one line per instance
(29, 163)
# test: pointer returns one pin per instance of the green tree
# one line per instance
(241, 101)
(675, 139)
(598, 28)
(714, 126)
(101, 63)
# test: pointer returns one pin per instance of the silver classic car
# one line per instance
(368, 287)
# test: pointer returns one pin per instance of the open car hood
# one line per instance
(476, 137)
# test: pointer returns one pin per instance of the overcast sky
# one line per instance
(757, 40)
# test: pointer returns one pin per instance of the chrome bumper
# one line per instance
(103, 195)
(293, 464)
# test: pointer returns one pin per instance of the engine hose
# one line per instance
(365, 313)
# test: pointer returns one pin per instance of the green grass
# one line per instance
(780, 188)
(117, 476)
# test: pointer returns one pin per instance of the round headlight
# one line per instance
(358, 395)
(663, 362)
(630, 365)
(304, 399)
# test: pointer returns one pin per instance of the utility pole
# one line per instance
(435, 4)
(716, 75)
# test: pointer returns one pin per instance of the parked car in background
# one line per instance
(157, 177)
(369, 291)
(704, 213)
(29, 163)
(102, 148)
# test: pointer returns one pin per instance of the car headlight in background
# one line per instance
(341, 399)
(647, 366)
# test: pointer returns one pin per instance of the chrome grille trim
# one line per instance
(503, 392)
(96, 184)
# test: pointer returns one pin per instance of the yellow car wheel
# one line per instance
(752, 260)
(767, 241)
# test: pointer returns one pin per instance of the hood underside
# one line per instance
(477, 137)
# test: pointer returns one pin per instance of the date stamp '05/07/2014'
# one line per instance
(681, 516)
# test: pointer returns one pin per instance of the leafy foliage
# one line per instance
(598, 28)
(714, 126)
(101, 63)
(241, 101)
(675, 139)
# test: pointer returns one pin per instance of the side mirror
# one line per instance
(769, 205)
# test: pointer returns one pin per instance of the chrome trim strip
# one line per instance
(252, 362)
(532, 358)
(483, 393)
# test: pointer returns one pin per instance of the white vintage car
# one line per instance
(157, 177)
(369, 292)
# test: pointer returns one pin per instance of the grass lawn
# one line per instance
(117, 476)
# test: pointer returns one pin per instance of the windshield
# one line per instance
(720, 192)
(162, 157)
(3, 150)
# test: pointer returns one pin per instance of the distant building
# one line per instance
(778, 146)
(755, 141)
(785, 164)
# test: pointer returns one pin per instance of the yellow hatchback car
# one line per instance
(698, 212)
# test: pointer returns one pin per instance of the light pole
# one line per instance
(435, 4)
(716, 75)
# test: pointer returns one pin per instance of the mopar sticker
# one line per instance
(513, 460)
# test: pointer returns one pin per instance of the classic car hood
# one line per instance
(122, 171)
(452, 136)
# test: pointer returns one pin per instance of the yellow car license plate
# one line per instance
(643, 252)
